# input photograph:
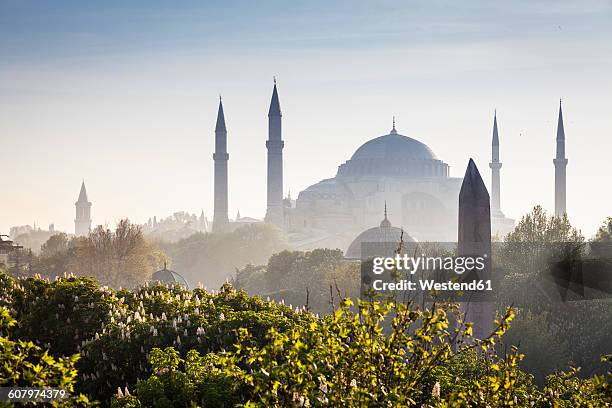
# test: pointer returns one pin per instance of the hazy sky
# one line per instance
(125, 96)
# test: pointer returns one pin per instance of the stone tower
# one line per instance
(220, 157)
(275, 144)
(560, 163)
(495, 166)
(82, 220)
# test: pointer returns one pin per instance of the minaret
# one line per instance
(560, 163)
(275, 144)
(495, 166)
(82, 220)
(220, 157)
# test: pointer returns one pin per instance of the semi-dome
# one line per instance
(333, 189)
(394, 147)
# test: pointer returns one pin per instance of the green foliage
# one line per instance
(178, 382)
(552, 333)
(24, 364)
(546, 347)
(566, 390)
(299, 277)
(165, 346)
(537, 226)
(527, 253)
(348, 359)
(159, 316)
(604, 233)
(601, 244)
(58, 314)
(55, 256)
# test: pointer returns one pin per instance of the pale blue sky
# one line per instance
(125, 96)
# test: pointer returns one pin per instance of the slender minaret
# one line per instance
(275, 144)
(220, 157)
(495, 166)
(560, 163)
(82, 220)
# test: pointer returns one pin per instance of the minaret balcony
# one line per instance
(220, 156)
(275, 144)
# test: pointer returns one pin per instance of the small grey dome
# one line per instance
(383, 234)
(167, 276)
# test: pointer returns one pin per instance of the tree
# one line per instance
(214, 258)
(301, 277)
(56, 244)
(604, 233)
(119, 258)
(549, 329)
(601, 244)
(528, 252)
(54, 256)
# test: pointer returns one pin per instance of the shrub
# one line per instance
(24, 364)
(175, 347)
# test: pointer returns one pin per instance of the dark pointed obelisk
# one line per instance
(275, 144)
(560, 162)
(474, 239)
(220, 157)
(474, 208)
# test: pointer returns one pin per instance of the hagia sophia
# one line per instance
(392, 171)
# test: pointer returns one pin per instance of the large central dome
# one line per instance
(394, 147)
(393, 155)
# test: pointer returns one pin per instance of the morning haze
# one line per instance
(126, 99)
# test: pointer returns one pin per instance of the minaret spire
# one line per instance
(385, 223)
(220, 158)
(275, 144)
(495, 165)
(560, 162)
